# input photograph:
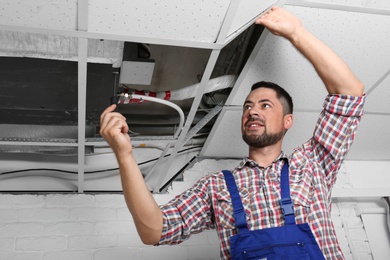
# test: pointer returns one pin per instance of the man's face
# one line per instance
(262, 121)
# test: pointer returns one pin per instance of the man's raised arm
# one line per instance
(334, 72)
(146, 213)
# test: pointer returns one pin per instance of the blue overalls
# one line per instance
(289, 242)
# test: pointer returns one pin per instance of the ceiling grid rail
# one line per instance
(82, 98)
(227, 22)
(154, 183)
(158, 179)
(82, 24)
(113, 37)
(339, 7)
(82, 34)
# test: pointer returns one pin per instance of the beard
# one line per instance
(263, 140)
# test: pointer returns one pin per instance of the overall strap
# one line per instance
(238, 209)
(285, 201)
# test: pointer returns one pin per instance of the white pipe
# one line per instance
(167, 103)
(222, 82)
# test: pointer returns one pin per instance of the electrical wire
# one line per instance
(89, 172)
(167, 103)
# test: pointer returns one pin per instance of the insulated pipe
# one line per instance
(223, 82)
(167, 103)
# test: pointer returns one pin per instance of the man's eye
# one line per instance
(266, 105)
(247, 107)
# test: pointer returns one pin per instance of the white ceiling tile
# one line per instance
(179, 19)
(372, 140)
(302, 130)
(40, 13)
(226, 141)
(248, 10)
(378, 101)
(358, 38)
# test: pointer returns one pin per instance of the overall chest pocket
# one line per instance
(292, 251)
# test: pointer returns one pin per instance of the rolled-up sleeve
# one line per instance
(186, 214)
(335, 130)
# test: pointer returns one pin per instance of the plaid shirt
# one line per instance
(313, 168)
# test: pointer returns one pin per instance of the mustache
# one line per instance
(256, 119)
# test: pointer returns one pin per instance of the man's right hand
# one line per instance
(114, 129)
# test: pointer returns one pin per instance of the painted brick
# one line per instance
(176, 252)
(343, 241)
(130, 240)
(196, 239)
(69, 254)
(70, 200)
(357, 234)
(353, 222)
(348, 256)
(364, 256)
(10, 201)
(115, 227)
(345, 249)
(40, 243)
(110, 200)
(337, 222)
(348, 210)
(212, 237)
(100, 226)
(180, 186)
(8, 215)
(362, 247)
(118, 254)
(123, 214)
(204, 252)
(91, 242)
(164, 198)
(335, 208)
(43, 214)
(21, 256)
(343, 180)
(68, 228)
(21, 229)
(7, 244)
(92, 214)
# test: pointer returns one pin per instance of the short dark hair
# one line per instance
(281, 94)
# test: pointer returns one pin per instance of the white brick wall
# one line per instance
(99, 227)
(82, 226)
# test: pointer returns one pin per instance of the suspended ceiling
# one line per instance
(197, 35)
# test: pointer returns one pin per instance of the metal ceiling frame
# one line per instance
(83, 36)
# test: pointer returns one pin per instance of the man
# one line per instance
(267, 115)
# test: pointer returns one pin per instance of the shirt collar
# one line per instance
(251, 163)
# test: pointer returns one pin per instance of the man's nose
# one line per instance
(253, 112)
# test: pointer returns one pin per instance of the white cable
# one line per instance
(167, 103)
(222, 82)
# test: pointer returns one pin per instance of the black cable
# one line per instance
(176, 175)
(89, 172)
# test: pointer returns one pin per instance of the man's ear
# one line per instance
(288, 121)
